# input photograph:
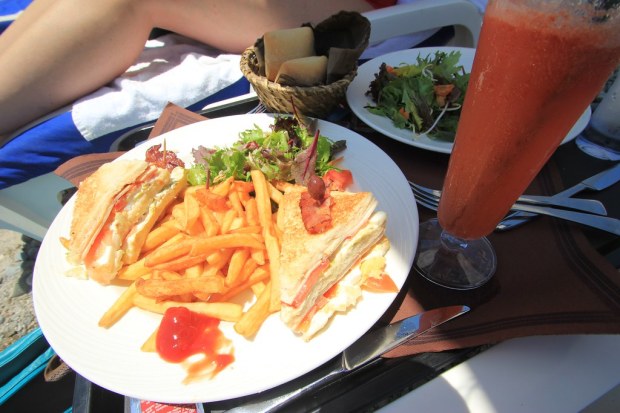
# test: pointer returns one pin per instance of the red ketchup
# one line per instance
(184, 333)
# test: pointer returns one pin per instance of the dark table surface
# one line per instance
(386, 380)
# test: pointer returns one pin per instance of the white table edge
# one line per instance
(542, 373)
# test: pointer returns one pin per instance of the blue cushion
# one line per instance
(8, 9)
(49, 144)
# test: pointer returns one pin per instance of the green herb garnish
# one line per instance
(278, 152)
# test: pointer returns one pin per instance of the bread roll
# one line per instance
(304, 71)
(286, 44)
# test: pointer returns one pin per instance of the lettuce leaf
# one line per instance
(271, 151)
(406, 94)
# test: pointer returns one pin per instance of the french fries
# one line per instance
(171, 287)
(160, 235)
(205, 245)
(211, 246)
(123, 304)
(263, 202)
(150, 345)
(223, 311)
(252, 319)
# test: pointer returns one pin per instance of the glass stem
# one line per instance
(451, 242)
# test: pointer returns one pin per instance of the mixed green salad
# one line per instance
(425, 97)
(284, 152)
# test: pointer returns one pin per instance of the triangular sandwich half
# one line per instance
(114, 210)
(311, 264)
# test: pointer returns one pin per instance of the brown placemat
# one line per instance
(549, 280)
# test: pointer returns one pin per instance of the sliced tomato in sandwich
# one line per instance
(320, 303)
(105, 237)
(309, 283)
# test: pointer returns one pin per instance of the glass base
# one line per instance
(598, 145)
(452, 262)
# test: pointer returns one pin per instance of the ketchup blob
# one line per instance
(183, 333)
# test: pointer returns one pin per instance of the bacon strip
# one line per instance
(316, 215)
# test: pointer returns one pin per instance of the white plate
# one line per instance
(357, 99)
(68, 309)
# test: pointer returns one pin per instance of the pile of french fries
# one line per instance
(210, 246)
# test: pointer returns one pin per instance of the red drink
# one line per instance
(535, 71)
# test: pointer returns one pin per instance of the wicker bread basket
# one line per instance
(315, 101)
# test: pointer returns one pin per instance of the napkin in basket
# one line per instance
(341, 37)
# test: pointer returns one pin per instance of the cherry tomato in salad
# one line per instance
(338, 180)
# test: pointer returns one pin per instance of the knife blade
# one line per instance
(360, 354)
(603, 223)
(585, 205)
(598, 182)
(380, 341)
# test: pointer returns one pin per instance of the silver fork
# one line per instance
(430, 200)
(432, 203)
(585, 205)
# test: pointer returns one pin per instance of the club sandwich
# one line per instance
(115, 208)
(312, 264)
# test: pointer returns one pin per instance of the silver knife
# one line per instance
(382, 340)
(584, 205)
(596, 182)
(601, 222)
(364, 351)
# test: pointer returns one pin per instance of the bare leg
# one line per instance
(234, 25)
(32, 13)
(59, 50)
(60, 57)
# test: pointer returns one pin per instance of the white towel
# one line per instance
(171, 68)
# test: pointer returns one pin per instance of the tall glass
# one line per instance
(538, 65)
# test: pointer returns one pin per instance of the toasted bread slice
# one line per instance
(95, 198)
(104, 259)
(343, 296)
(302, 252)
(340, 264)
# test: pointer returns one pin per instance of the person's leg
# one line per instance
(26, 18)
(64, 49)
(235, 25)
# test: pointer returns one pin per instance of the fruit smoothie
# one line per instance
(535, 71)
